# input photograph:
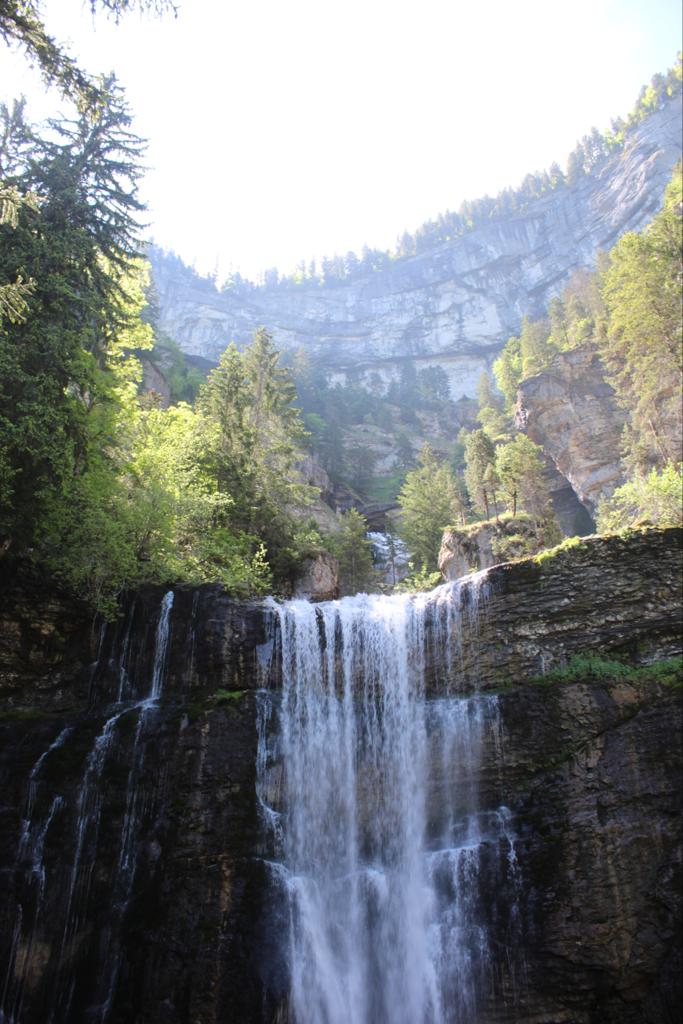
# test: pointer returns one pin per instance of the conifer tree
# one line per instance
(429, 503)
(491, 414)
(480, 453)
(642, 344)
(520, 470)
(75, 244)
(353, 551)
(21, 22)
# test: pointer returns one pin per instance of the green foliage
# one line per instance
(480, 457)
(535, 347)
(567, 544)
(630, 311)
(419, 580)
(507, 370)
(184, 380)
(250, 435)
(404, 450)
(532, 534)
(360, 464)
(642, 345)
(227, 696)
(584, 667)
(76, 244)
(14, 296)
(428, 499)
(332, 414)
(21, 22)
(353, 551)
(491, 409)
(522, 478)
(512, 537)
(384, 489)
(577, 317)
(655, 498)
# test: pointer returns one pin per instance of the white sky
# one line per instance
(286, 129)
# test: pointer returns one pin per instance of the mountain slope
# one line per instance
(454, 305)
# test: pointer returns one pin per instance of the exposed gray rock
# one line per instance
(313, 474)
(593, 773)
(572, 411)
(153, 380)
(318, 579)
(482, 545)
(454, 305)
(616, 594)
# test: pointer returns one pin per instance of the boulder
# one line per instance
(318, 579)
(482, 545)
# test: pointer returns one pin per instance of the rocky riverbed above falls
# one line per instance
(588, 769)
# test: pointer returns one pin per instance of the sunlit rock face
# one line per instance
(454, 305)
(572, 411)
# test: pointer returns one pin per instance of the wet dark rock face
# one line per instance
(593, 773)
(162, 912)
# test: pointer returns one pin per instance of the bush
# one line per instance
(655, 499)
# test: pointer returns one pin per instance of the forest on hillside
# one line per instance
(588, 156)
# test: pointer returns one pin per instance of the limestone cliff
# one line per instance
(453, 305)
(573, 413)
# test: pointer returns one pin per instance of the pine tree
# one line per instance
(491, 414)
(249, 443)
(534, 347)
(429, 503)
(21, 22)
(479, 455)
(353, 551)
(76, 245)
(507, 369)
(642, 345)
(521, 474)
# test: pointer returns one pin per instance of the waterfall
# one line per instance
(369, 790)
(393, 885)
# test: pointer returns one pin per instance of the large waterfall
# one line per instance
(364, 811)
(388, 864)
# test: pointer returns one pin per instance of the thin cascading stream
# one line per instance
(30, 858)
(124, 878)
(369, 791)
(72, 892)
(88, 817)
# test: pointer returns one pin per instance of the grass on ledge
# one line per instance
(668, 671)
(566, 545)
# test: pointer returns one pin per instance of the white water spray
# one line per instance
(377, 838)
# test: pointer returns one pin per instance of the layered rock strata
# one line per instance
(453, 305)
(588, 770)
